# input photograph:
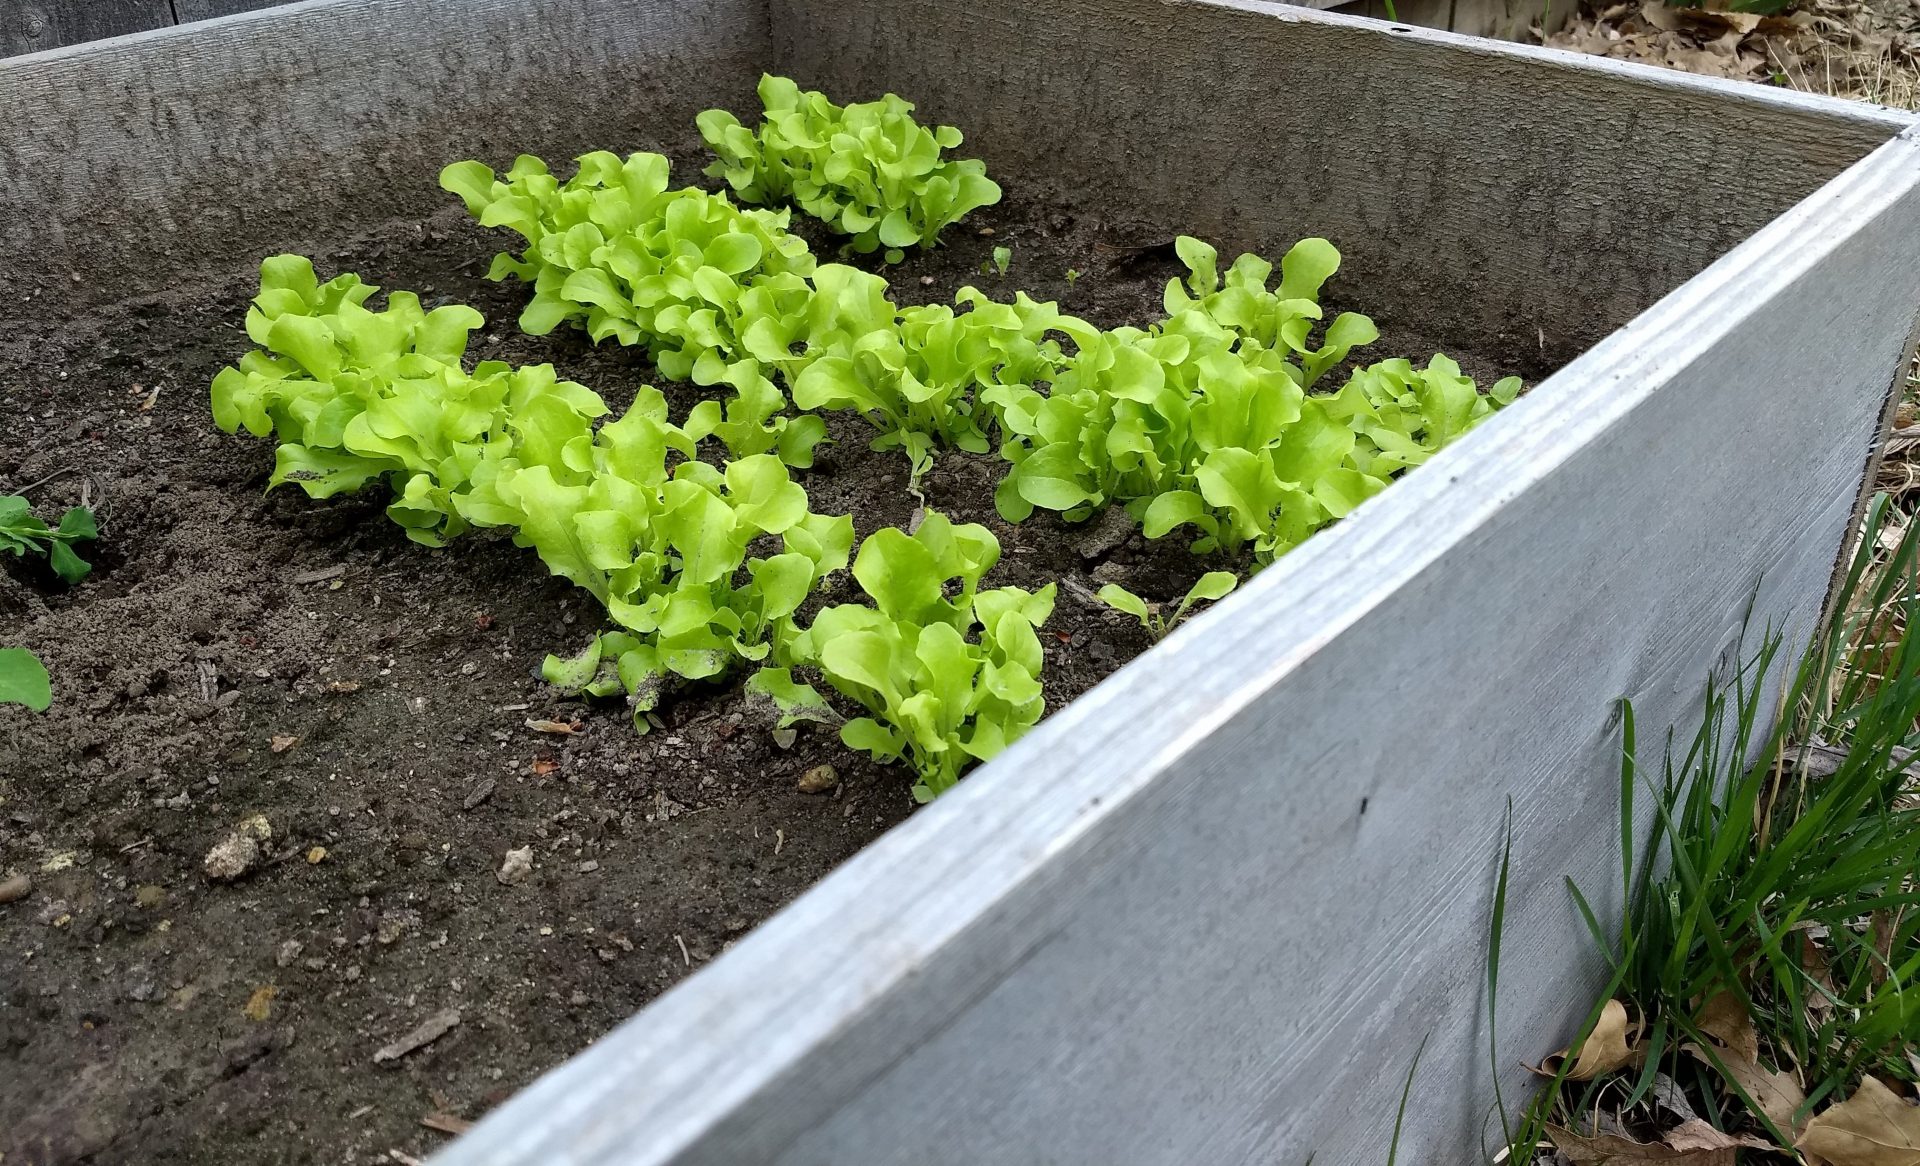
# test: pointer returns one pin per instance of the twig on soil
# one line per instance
(431, 1029)
(446, 1123)
(685, 956)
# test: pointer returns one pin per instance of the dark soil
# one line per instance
(238, 653)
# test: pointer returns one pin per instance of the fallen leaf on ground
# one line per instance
(1697, 1135)
(1724, 1020)
(343, 686)
(1711, 1148)
(1607, 1047)
(282, 744)
(545, 726)
(542, 767)
(1874, 1127)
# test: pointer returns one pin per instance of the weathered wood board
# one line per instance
(1208, 912)
(187, 10)
(29, 26)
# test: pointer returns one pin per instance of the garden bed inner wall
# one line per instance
(1511, 200)
(1207, 913)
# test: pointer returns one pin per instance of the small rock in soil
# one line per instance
(517, 868)
(395, 924)
(149, 896)
(478, 794)
(784, 738)
(1104, 535)
(289, 951)
(239, 851)
(15, 889)
(818, 780)
(140, 984)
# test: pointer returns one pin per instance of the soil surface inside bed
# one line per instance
(238, 653)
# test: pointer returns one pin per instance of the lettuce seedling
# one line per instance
(1214, 418)
(1210, 586)
(949, 674)
(913, 372)
(357, 396)
(21, 532)
(666, 552)
(866, 170)
(23, 680)
(618, 252)
(1402, 416)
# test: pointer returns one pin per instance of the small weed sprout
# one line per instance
(1211, 586)
(21, 532)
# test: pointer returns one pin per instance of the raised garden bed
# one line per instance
(1142, 926)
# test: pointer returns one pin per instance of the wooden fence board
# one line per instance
(28, 26)
(208, 9)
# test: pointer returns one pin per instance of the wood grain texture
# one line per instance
(154, 157)
(1521, 201)
(208, 9)
(1208, 912)
(29, 26)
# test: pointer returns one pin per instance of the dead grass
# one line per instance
(1865, 50)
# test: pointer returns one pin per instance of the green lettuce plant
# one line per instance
(1215, 419)
(948, 673)
(624, 510)
(914, 373)
(356, 396)
(867, 170)
(1210, 586)
(667, 555)
(23, 680)
(21, 532)
(617, 251)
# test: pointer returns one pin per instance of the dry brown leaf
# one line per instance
(545, 726)
(1657, 14)
(1725, 1019)
(1607, 1047)
(543, 766)
(282, 744)
(1874, 1127)
(343, 686)
(1711, 1148)
(1697, 1135)
(1883, 925)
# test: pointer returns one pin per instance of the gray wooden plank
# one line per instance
(28, 26)
(1480, 191)
(187, 10)
(151, 158)
(1208, 912)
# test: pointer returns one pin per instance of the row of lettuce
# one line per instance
(1213, 420)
